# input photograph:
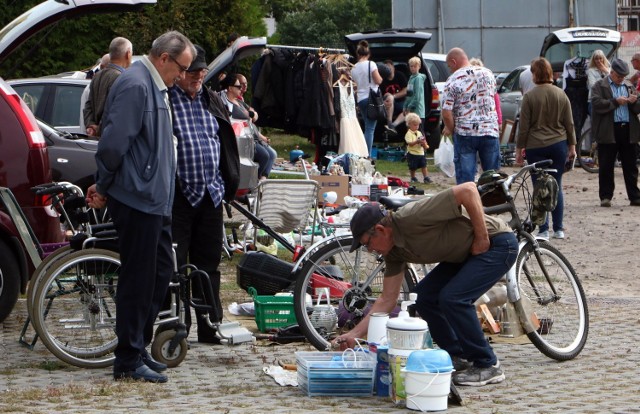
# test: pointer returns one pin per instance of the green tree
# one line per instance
(77, 43)
(325, 22)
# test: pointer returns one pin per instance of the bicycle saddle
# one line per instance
(392, 203)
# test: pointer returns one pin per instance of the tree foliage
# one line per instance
(77, 44)
(325, 22)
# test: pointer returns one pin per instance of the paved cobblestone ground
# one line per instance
(220, 379)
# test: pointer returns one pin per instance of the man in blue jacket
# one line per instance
(136, 161)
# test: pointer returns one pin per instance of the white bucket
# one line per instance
(427, 391)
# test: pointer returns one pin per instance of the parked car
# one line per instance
(24, 157)
(71, 156)
(557, 48)
(511, 94)
(400, 46)
(500, 77)
(437, 64)
(55, 100)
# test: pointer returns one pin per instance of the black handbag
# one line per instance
(375, 105)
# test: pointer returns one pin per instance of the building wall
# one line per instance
(503, 33)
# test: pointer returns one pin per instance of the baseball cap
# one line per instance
(365, 218)
(200, 62)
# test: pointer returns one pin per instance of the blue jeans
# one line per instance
(265, 156)
(466, 149)
(369, 125)
(558, 153)
(447, 294)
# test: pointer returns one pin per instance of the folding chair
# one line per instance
(286, 205)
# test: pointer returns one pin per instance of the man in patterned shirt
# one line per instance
(208, 173)
(469, 112)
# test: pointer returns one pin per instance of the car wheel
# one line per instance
(9, 281)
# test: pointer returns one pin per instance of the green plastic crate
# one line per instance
(272, 312)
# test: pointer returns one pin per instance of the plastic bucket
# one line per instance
(426, 391)
(427, 380)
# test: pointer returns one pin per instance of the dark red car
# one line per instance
(24, 160)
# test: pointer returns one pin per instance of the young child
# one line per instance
(416, 144)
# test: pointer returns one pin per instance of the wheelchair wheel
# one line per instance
(74, 309)
(160, 349)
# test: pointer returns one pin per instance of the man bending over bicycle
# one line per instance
(473, 251)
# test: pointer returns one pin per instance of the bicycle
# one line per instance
(542, 285)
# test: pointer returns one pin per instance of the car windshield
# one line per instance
(562, 52)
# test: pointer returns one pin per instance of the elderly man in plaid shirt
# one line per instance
(208, 173)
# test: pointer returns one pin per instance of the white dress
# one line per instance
(351, 136)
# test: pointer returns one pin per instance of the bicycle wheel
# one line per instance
(557, 300)
(587, 157)
(354, 281)
(41, 270)
(74, 308)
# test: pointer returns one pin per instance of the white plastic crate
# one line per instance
(336, 373)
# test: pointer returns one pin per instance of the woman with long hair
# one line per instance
(365, 75)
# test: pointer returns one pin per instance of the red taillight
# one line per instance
(27, 121)
(435, 98)
(41, 201)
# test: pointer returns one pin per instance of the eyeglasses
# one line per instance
(182, 68)
(371, 233)
(237, 86)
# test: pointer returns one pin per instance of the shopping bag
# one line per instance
(443, 157)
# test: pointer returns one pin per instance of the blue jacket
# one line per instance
(136, 156)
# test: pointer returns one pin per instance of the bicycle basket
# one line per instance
(494, 196)
(544, 199)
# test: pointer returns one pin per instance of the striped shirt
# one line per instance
(621, 114)
(198, 147)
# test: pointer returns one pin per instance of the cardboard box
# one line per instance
(337, 183)
(373, 192)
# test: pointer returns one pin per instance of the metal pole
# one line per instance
(441, 40)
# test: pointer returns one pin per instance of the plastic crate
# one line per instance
(336, 373)
(272, 312)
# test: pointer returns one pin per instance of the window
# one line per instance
(66, 105)
(31, 95)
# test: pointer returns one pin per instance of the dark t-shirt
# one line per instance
(398, 83)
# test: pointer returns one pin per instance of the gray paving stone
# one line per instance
(220, 379)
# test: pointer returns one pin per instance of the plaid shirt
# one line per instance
(198, 147)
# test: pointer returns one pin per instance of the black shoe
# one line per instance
(209, 340)
(412, 190)
(635, 203)
(142, 373)
(152, 363)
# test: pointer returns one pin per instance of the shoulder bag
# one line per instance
(375, 106)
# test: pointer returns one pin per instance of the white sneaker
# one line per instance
(558, 234)
(543, 235)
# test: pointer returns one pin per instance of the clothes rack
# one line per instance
(307, 49)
